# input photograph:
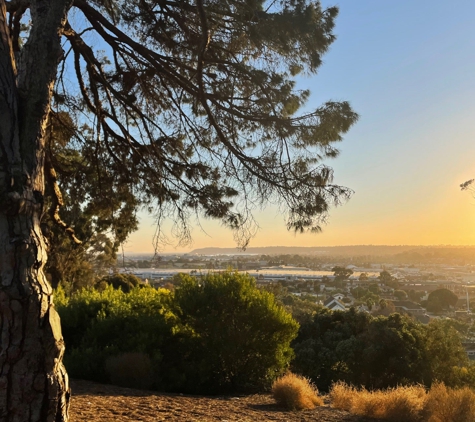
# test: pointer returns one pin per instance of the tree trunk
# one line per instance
(33, 381)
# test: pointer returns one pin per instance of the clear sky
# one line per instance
(408, 68)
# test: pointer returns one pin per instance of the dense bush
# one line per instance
(100, 324)
(379, 352)
(241, 336)
(217, 334)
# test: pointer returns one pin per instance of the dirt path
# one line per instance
(99, 402)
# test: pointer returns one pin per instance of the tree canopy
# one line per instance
(190, 108)
(441, 299)
(379, 352)
(186, 108)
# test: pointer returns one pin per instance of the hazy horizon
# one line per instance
(407, 68)
(191, 249)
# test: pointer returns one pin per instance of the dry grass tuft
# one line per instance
(449, 405)
(133, 370)
(295, 392)
(342, 395)
(394, 404)
(409, 404)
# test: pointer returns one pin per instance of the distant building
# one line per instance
(469, 350)
(408, 307)
(334, 304)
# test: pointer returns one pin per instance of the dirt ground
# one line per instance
(99, 402)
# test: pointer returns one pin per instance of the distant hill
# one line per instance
(352, 250)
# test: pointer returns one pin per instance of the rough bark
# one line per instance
(33, 381)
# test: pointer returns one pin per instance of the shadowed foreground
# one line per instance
(99, 402)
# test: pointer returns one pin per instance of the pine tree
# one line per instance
(189, 106)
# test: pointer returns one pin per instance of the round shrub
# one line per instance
(239, 337)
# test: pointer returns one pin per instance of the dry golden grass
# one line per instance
(409, 404)
(295, 392)
(342, 396)
(449, 405)
(395, 404)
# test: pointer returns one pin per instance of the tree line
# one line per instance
(222, 334)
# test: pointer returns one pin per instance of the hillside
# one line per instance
(349, 250)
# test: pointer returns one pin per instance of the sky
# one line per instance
(408, 69)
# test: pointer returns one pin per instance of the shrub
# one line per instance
(359, 349)
(238, 336)
(220, 334)
(132, 370)
(98, 325)
(295, 392)
(380, 352)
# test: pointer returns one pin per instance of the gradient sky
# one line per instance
(408, 68)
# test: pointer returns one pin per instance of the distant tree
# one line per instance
(440, 300)
(386, 307)
(363, 277)
(400, 294)
(123, 281)
(370, 303)
(342, 275)
(359, 292)
(415, 296)
(342, 272)
(388, 280)
(374, 288)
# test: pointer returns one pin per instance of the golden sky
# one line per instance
(408, 69)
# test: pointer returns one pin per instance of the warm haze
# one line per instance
(408, 69)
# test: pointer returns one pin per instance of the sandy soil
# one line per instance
(98, 402)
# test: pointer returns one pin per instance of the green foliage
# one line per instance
(386, 278)
(374, 288)
(125, 282)
(302, 308)
(342, 272)
(379, 352)
(216, 334)
(446, 354)
(97, 201)
(241, 336)
(415, 296)
(342, 276)
(400, 294)
(201, 105)
(359, 292)
(100, 324)
(441, 299)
